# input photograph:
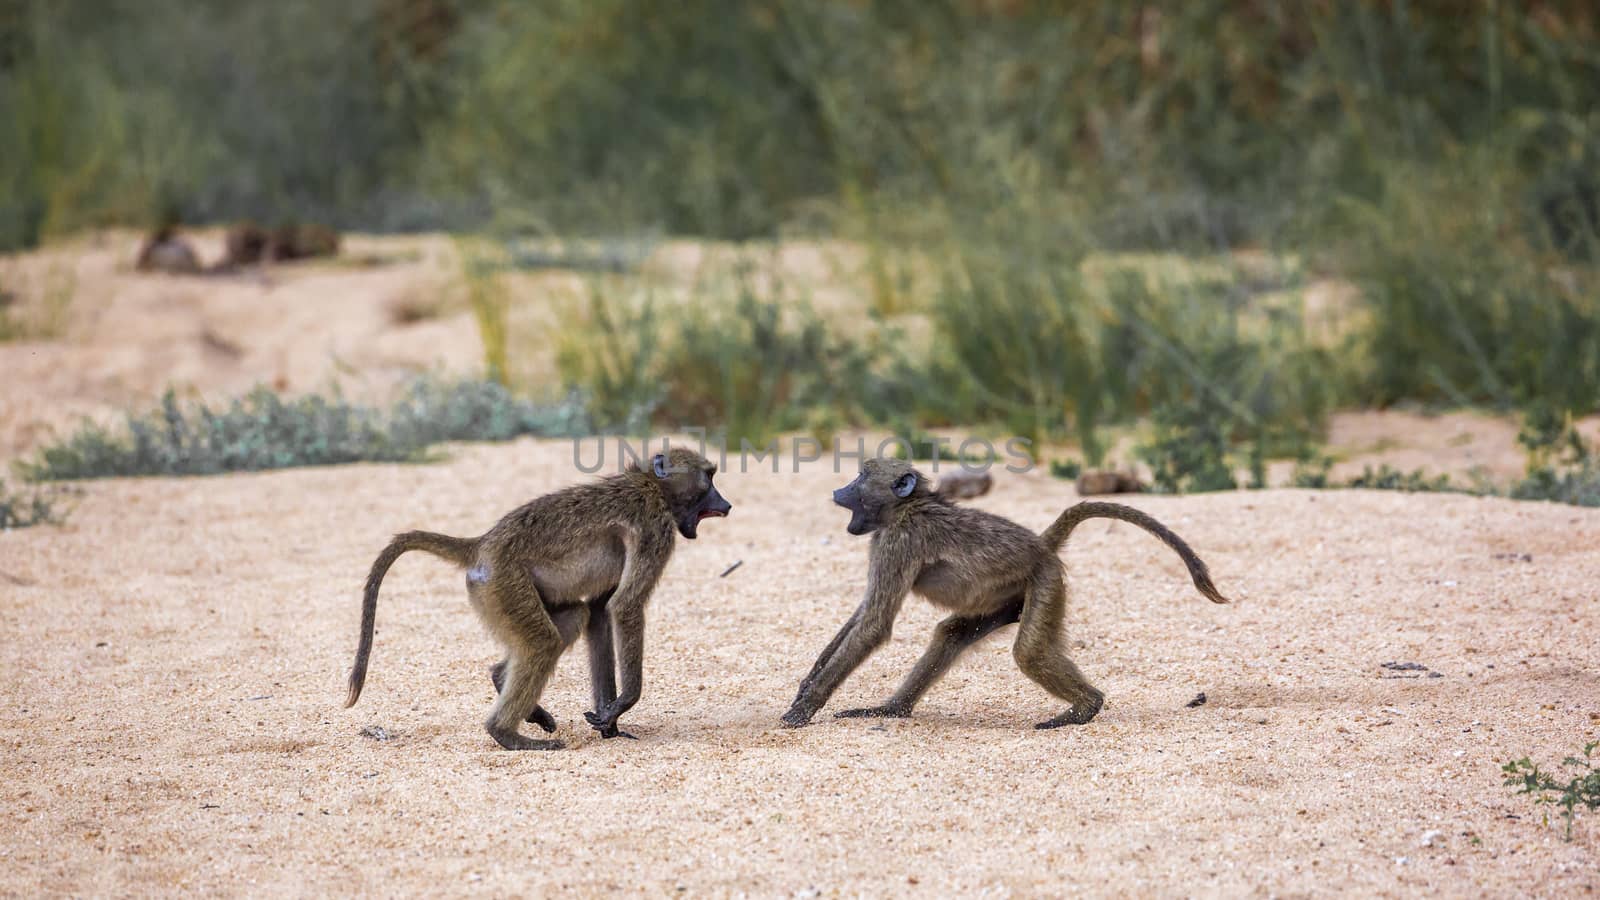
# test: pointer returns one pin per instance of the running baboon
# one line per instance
(989, 571)
(583, 559)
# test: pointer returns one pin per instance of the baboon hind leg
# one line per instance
(569, 621)
(950, 639)
(533, 645)
(1038, 651)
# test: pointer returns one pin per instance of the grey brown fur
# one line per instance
(583, 560)
(988, 571)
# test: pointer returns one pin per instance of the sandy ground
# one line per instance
(172, 659)
(172, 664)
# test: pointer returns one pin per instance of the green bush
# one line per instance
(263, 430)
(748, 360)
(1561, 467)
(432, 410)
(29, 506)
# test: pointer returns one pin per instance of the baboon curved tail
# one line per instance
(457, 550)
(1056, 536)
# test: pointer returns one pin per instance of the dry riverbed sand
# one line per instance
(172, 667)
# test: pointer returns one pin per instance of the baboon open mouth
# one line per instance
(711, 514)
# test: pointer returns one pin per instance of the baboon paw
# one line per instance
(1077, 715)
(514, 741)
(615, 732)
(796, 719)
(874, 712)
(542, 718)
(607, 726)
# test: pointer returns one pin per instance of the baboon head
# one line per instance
(882, 485)
(685, 479)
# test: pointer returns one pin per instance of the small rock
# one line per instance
(1199, 700)
(376, 732)
(1431, 837)
(964, 485)
(1092, 483)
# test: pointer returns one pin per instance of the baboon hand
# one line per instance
(607, 725)
(885, 711)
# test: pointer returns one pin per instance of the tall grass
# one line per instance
(1443, 158)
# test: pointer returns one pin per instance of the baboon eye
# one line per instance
(905, 484)
(660, 463)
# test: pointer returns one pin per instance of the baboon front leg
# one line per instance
(568, 621)
(866, 631)
(953, 636)
(1038, 651)
(603, 661)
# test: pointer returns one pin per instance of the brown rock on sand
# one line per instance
(1093, 483)
(165, 251)
(172, 665)
(964, 485)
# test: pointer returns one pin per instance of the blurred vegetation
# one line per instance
(36, 310)
(1010, 168)
(265, 431)
(30, 506)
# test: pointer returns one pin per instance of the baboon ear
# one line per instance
(905, 484)
(660, 465)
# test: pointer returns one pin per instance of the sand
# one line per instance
(172, 662)
(172, 659)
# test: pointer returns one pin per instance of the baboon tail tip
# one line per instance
(1210, 591)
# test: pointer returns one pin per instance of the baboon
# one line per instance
(989, 571)
(583, 559)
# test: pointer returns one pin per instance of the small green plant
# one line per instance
(1388, 478)
(1560, 465)
(1066, 468)
(1312, 472)
(29, 506)
(1581, 790)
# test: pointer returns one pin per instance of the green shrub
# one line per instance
(1190, 450)
(1560, 465)
(737, 356)
(1386, 478)
(30, 506)
(431, 410)
(1066, 468)
(1582, 790)
(263, 430)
